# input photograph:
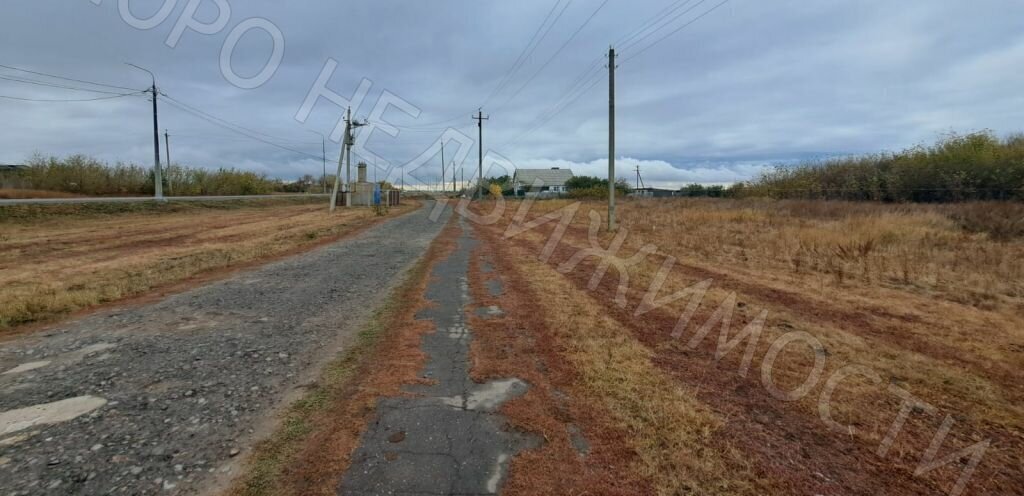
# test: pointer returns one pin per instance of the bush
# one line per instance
(82, 175)
(957, 168)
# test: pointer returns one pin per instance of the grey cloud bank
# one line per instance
(749, 85)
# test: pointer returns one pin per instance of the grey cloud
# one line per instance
(753, 83)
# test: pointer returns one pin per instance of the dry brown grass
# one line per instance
(54, 265)
(929, 303)
(673, 435)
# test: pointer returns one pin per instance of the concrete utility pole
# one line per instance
(442, 167)
(639, 179)
(480, 149)
(167, 150)
(346, 156)
(454, 188)
(611, 138)
(158, 179)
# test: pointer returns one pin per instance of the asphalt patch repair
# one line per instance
(449, 438)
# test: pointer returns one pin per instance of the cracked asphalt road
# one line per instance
(448, 439)
(162, 398)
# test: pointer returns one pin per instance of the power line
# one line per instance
(70, 100)
(215, 121)
(555, 110)
(54, 85)
(655, 19)
(676, 30)
(523, 56)
(66, 78)
(223, 121)
(558, 107)
(557, 52)
(662, 24)
(529, 48)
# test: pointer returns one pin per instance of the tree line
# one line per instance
(79, 174)
(976, 166)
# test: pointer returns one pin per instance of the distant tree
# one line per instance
(585, 182)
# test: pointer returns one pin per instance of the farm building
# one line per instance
(541, 181)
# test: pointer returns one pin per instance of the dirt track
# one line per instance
(162, 398)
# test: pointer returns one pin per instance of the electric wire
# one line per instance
(529, 49)
(557, 52)
(66, 78)
(676, 30)
(62, 86)
(655, 19)
(216, 121)
(69, 99)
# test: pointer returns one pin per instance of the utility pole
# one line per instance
(639, 179)
(158, 179)
(345, 156)
(167, 150)
(611, 138)
(462, 170)
(442, 167)
(454, 188)
(323, 151)
(348, 151)
(480, 150)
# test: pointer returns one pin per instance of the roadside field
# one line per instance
(811, 347)
(55, 260)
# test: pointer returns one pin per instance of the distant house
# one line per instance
(653, 193)
(11, 167)
(541, 181)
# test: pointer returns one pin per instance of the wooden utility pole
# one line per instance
(479, 117)
(611, 138)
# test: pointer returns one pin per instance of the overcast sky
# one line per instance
(748, 85)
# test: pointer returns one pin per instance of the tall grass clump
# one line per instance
(977, 166)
